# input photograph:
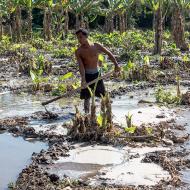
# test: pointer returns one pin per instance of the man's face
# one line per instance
(81, 38)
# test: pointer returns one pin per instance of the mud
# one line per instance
(64, 164)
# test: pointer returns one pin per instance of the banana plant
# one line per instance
(2, 13)
(15, 8)
(62, 9)
(28, 4)
(159, 9)
(113, 8)
(85, 10)
(46, 6)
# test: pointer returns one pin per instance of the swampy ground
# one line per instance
(139, 137)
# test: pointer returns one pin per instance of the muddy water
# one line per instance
(147, 112)
(184, 119)
(23, 105)
(15, 152)
(94, 164)
(14, 156)
(106, 164)
(87, 161)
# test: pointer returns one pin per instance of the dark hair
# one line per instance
(83, 31)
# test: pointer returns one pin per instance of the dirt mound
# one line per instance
(185, 99)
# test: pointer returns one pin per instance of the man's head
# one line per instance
(82, 35)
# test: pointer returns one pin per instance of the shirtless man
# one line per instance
(87, 58)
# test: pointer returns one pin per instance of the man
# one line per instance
(87, 58)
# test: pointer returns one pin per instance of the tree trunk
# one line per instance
(117, 22)
(77, 22)
(66, 24)
(126, 21)
(109, 24)
(82, 23)
(44, 24)
(122, 23)
(1, 28)
(49, 17)
(10, 26)
(47, 24)
(18, 24)
(178, 29)
(87, 25)
(158, 32)
(30, 24)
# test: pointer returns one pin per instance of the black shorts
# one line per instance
(100, 88)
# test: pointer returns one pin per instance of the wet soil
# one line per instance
(110, 160)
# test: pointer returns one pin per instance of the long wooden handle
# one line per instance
(78, 89)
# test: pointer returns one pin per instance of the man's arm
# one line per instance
(110, 55)
(81, 68)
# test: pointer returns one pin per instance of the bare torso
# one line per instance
(89, 56)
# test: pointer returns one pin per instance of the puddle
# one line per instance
(184, 119)
(22, 105)
(106, 164)
(86, 161)
(141, 113)
(133, 172)
(15, 155)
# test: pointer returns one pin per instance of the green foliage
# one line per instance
(149, 130)
(100, 120)
(62, 53)
(5, 43)
(40, 43)
(37, 70)
(11, 186)
(131, 129)
(129, 120)
(66, 76)
(163, 96)
(172, 49)
(62, 86)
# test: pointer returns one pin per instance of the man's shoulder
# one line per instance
(98, 45)
(78, 50)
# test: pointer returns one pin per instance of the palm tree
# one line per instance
(178, 6)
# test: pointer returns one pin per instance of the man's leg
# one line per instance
(87, 105)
